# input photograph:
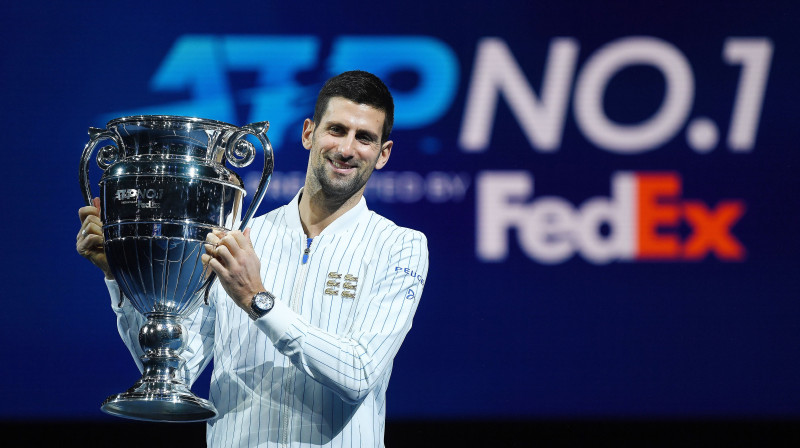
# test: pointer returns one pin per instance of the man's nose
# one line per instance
(347, 146)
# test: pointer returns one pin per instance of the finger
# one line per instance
(93, 219)
(88, 210)
(86, 231)
(218, 268)
(91, 245)
(92, 225)
(224, 257)
(90, 229)
(205, 259)
(212, 241)
(243, 239)
(96, 203)
(231, 242)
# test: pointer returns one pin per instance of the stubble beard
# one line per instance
(339, 190)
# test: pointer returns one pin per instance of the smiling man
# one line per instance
(314, 299)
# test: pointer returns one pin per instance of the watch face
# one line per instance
(263, 302)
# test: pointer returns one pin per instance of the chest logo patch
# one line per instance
(334, 286)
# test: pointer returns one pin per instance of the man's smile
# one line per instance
(340, 167)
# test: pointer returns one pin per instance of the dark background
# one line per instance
(515, 351)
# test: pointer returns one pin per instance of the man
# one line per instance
(313, 300)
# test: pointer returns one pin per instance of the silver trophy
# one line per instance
(164, 188)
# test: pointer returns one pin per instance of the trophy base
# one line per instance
(160, 402)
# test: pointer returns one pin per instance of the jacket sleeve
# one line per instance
(353, 364)
(199, 326)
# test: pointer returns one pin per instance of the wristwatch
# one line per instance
(261, 304)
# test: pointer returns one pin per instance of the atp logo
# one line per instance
(203, 65)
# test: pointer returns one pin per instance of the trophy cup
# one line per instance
(164, 188)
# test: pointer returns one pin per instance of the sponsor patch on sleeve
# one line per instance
(406, 271)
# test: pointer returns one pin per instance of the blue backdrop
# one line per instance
(608, 190)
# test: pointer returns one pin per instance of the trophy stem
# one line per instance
(162, 393)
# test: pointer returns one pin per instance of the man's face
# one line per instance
(345, 147)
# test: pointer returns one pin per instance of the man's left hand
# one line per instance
(232, 257)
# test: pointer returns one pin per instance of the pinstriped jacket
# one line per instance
(315, 369)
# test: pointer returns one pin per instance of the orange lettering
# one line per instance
(711, 230)
(654, 214)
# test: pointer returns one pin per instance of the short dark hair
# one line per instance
(359, 87)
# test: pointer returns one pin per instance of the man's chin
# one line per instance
(340, 187)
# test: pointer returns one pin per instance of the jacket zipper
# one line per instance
(288, 380)
(308, 249)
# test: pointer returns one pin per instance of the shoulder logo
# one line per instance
(410, 273)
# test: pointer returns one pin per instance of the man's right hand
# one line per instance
(90, 237)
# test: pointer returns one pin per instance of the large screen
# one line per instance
(608, 190)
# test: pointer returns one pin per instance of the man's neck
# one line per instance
(318, 211)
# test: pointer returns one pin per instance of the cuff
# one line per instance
(277, 322)
(116, 295)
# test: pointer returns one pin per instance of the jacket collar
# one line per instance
(341, 224)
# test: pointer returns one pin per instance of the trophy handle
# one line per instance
(105, 159)
(240, 153)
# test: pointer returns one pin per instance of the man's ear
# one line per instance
(308, 131)
(386, 151)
